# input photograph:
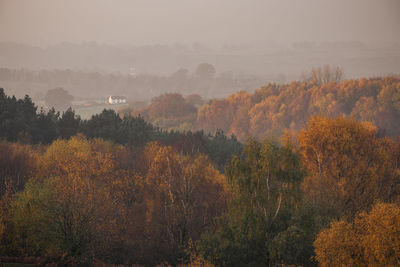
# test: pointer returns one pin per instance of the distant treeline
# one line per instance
(279, 62)
(137, 87)
(274, 108)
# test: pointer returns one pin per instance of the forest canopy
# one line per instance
(276, 107)
(119, 190)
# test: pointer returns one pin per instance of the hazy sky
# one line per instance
(45, 22)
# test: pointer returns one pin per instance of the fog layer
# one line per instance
(45, 22)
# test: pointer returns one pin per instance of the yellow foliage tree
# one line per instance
(179, 190)
(75, 200)
(372, 239)
(349, 167)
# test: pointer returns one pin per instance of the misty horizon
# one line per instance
(45, 22)
(249, 43)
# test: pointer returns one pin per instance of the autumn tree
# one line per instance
(372, 239)
(349, 167)
(216, 115)
(17, 165)
(168, 106)
(72, 203)
(169, 111)
(179, 191)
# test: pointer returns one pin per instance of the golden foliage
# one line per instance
(372, 239)
(274, 108)
(178, 191)
(349, 167)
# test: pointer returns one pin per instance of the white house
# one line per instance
(116, 99)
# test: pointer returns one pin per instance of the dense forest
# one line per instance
(118, 190)
(274, 108)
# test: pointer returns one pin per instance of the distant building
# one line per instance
(117, 99)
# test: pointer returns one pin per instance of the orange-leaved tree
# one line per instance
(372, 239)
(76, 202)
(349, 166)
(183, 195)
